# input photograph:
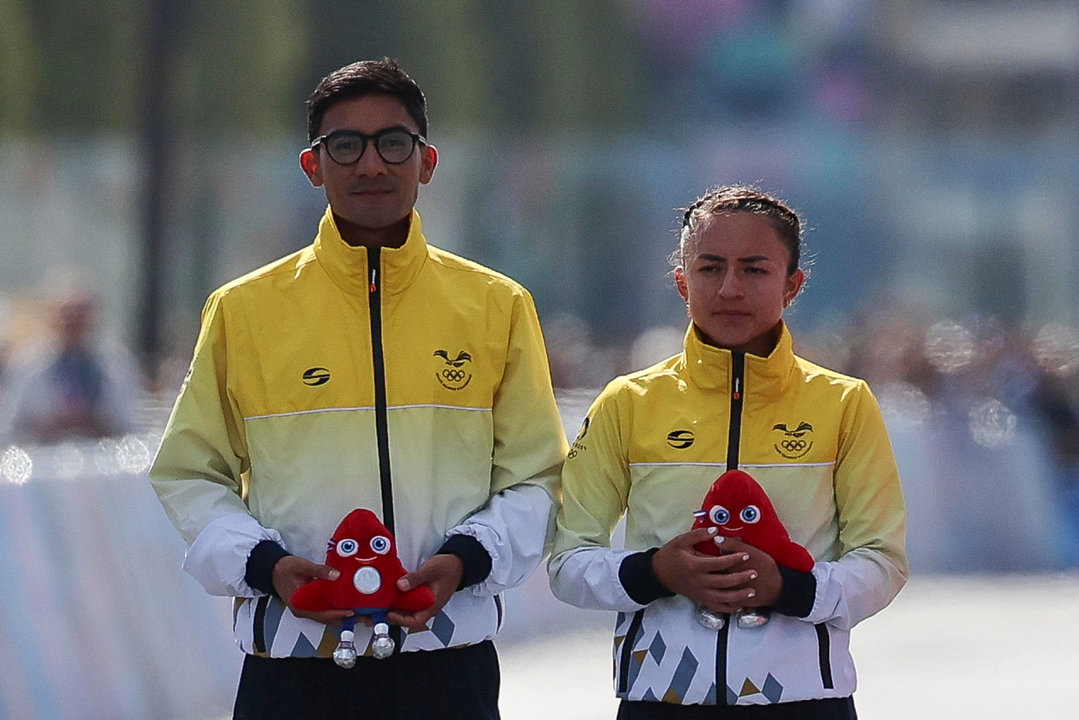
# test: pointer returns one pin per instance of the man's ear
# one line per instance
(309, 163)
(430, 160)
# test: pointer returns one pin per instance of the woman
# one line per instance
(654, 441)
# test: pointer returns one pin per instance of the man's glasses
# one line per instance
(394, 145)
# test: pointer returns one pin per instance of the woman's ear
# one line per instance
(310, 165)
(680, 282)
(794, 286)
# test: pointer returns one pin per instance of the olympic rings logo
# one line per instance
(455, 373)
(793, 448)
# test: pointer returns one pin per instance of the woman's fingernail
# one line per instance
(713, 531)
(752, 593)
(745, 557)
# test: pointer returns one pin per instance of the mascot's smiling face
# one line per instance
(359, 549)
(737, 506)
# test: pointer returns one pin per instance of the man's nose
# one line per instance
(370, 163)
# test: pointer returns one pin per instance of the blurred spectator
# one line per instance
(70, 385)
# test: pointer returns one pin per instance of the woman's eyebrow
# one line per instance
(720, 258)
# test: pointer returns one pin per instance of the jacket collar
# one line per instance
(348, 266)
(711, 368)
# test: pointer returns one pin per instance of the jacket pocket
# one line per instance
(258, 627)
(824, 646)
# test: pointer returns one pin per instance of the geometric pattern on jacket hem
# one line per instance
(670, 680)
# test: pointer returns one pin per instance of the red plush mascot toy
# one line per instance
(737, 506)
(364, 551)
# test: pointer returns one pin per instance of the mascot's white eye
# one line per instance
(347, 547)
(719, 515)
(750, 514)
(380, 544)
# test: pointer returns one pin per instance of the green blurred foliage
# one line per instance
(242, 67)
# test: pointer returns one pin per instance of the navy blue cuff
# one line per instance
(472, 555)
(260, 563)
(639, 579)
(798, 592)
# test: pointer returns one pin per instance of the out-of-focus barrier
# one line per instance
(96, 619)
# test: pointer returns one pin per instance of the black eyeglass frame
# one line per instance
(374, 138)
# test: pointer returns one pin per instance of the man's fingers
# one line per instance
(410, 580)
(412, 621)
(325, 572)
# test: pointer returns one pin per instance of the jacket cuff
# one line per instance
(260, 564)
(639, 579)
(797, 594)
(473, 556)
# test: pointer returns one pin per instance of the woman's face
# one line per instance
(735, 283)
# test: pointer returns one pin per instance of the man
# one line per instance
(72, 386)
(368, 370)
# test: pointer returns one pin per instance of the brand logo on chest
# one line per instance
(316, 376)
(680, 439)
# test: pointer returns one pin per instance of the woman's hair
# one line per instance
(730, 199)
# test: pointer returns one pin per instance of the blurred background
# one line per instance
(149, 155)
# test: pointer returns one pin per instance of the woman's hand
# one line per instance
(723, 584)
(768, 582)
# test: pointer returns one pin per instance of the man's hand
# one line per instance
(721, 584)
(292, 571)
(442, 574)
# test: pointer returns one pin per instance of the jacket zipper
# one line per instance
(382, 428)
(734, 437)
(382, 432)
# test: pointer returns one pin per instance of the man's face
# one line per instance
(370, 195)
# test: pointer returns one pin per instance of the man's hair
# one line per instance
(731, 199)
(366, 77)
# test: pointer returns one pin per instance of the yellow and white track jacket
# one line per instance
(652, 444)
(407, 381)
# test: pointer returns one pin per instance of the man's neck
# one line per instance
(393, 236)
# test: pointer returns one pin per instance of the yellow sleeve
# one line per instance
(198, 468)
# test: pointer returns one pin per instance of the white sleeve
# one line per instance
(513, 528)
(587, 577)
(860, 584)
(217, 558)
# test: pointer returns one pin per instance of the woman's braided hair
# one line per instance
(730, 199)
